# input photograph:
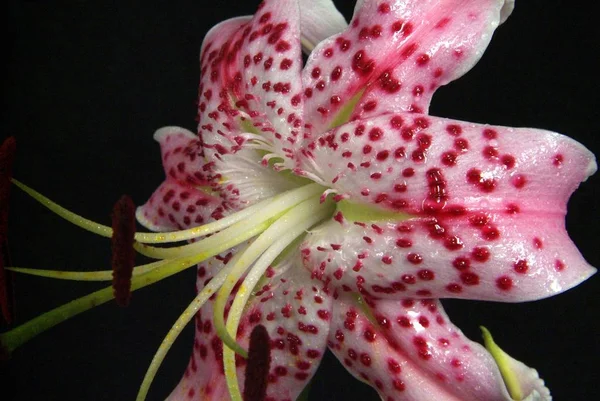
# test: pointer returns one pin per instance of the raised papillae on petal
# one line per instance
(479, 210)
(250, 98)
(395, 55)
(409, 350)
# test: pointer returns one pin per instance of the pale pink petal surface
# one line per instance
(482, 209)
(179, 203)
(398, 53)
(409, 350)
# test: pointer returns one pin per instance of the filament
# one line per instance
(275, 224)
(296, 225)
(149, 238)
(100, 275)
(188, 314)
(277, 207)
(288, 221)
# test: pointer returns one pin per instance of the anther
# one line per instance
(123, 254)
(259, 361)
(7, 156)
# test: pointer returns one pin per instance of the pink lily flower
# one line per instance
(425, 207)
(419, 207)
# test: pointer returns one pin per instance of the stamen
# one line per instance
(211, 287)
(21, 334)
(296, 217)
(155, 238)
(282, 233)
(4, 353)
(7, 156)
(100, 275)
(279, 205)
(259, 361)
(307, 45)
(123, 254)
(71, 217)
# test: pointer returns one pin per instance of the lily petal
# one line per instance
(204, 376)
(319, 19)
(182, 156)
(479, 209)
(256, 71)
(398, 54)
(294, 309)
(409, 350)
(178, 203)
(250, 94)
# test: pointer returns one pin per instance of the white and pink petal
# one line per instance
(177, 206)
(480, 209)
(319, 19)
(398, 53)
(184, 199)
(409, 350)
(182, 156)
(255, 75)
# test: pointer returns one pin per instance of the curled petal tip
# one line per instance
(506, 10)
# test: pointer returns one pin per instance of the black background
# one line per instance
(86, 83)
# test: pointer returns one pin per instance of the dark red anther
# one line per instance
(7, 157)
(123, 254)
(259, 361)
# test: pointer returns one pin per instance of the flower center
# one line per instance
(263, 233)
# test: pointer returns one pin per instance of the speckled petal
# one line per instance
(399, 53)
(204, 376)
(176, 206)
(252, 72)
(250, 95)
(480, 209)
(409, 350)
(182, 156)
(294, 309)
(184, 199)
(218, 120)
(319, 19)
